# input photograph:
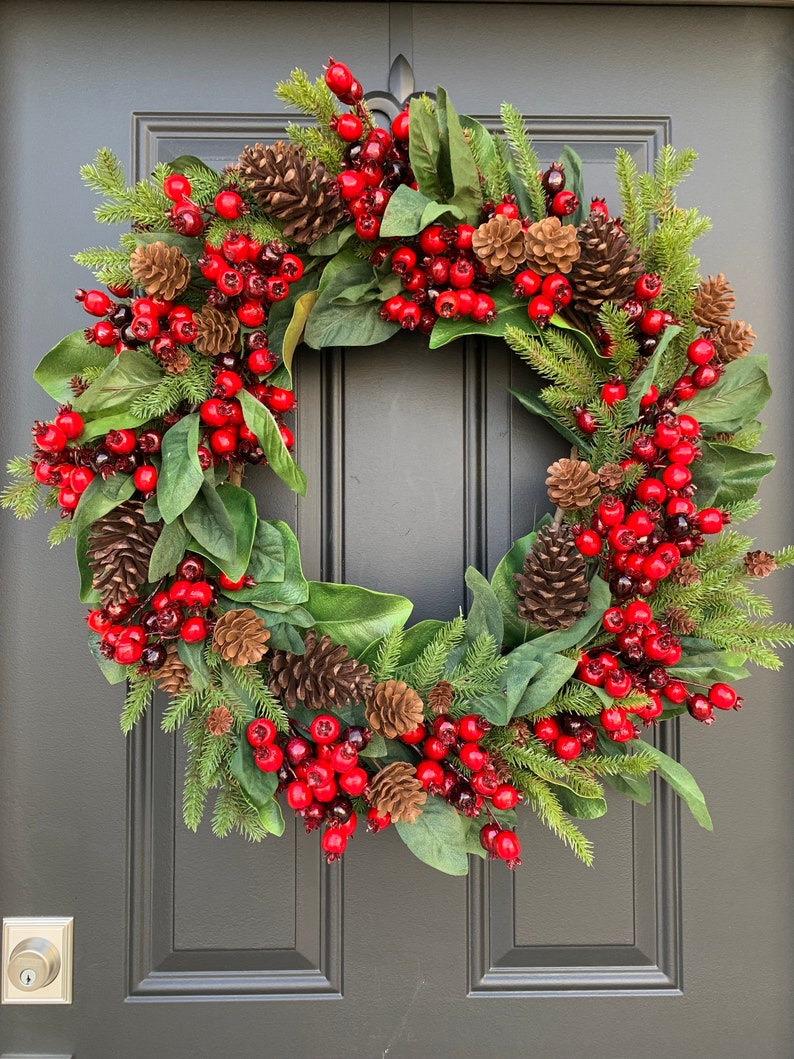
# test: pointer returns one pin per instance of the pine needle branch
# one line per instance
(527, 161)
(388, 656)
(547, 806)
(427, 668)
(60, 532)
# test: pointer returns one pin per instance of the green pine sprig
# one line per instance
(23, 494)
(546, 805)
(143, 205)
(526, 159)
(110, 265)
(139, 695)
(426, 670)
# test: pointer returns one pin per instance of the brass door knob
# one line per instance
(34, 963)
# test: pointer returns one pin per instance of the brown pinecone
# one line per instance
(162, 270)
(173, 676)
(500, 244)
(440, 698)
(732, 340)
(397, 791)
(551, 246)
(219, 720)
(571, 484)
(521, 731)
(175, 363)
(78, 385)
(323, 676)
(120, 546)
(499, 765)
(217, 331)
(297, 191)
(759, 563)
(686, 574)
(607, 266)
(611, 477)
(553, 588)
(679, 621)
(240, 637)
(392, 709)
(714, 302)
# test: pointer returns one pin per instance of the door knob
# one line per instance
(33, 964)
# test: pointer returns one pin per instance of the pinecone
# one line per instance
(759, 563)
(553, 588)
(173, 676)
(393, 709)
(217, 331)
(504, 772)
(119, 549)
(78, 385)
(732, 340)
(685, 574)
(175, 363)
(521, 731)
(162, 270)
(397, 791)
(440, 698)
(298, 192)
(714, 302)
(322, 676)
(611, 477)
(551, 246)
(240, 637)
(572, 485)
(219, 720)
(500, 244)
(679, 621)
(607, 266)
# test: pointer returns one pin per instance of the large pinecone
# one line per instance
(500, 245)
(240, 637)
(393, 709)
(714, 302)
(162, 270)
(397, 791)
(173, 675)
(323, 676)
(553, 588)
(607, 267)
(119, 549)
(572, 485)
(217, 331)
(551, 246)
(295, 190)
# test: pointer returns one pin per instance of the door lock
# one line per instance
(37, 960)
(34, 963)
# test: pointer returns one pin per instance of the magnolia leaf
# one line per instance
(67, 359)
(516, 630)
(424, 148)
(403, 214)
(111, 671)
(537, 406)
(332, 243)
(223, 524)
(556, 670)
(638, 788)
(293, 336)
(347, 325)
(683, 783)
(354, 616)
(736, 398)
(132, 374)
(456, 155)
(485, 616)
(438, 837)
(259, 788)
(647, 376)
(98, 428)
(260, 420)
(180, 475)
(192, 654)
(168, 550)
(102, 496)
(575, 805)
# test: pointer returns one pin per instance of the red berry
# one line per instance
(49, 438)
(354, 780)
(400, 126)
(505, 796)
(429, 773)
(431, 239)
(268, 757)
(488, 835)
(723, 696)
(564, 204)
(589, 543)
(260, 731)
(472, 727)
(473, 756)
(278, 399)
(347, 127)
(343, 757)
(193, 629)
(68, 498)
(700, 708)
(338, 77)
(546, 728)
(507, 846)
(145, 478)
(71, 423)
(484, 309)
(585, 421)
(706, 376)
(414, 736)
(651, 489)
(299, 795)
(333, 842)
(228, 585)
(701, 351)
(229, 205)
(612, 718)
(435, 749)
(618, 684)
(120, 442)
(674, 691)
(613, 391)
(567, 747)
(351, 184)
(526, 283)
(176, 187)
(710, 520)
(647, 287)
(540, 310)
(325, 728)
(651, 322)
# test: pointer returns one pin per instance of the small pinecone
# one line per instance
(553, 588)
(679, 621)
(500, 244)
(572, 485)
(503, 771)
(551, 246)
(521, 731)
(714, 302)
(217, 331)
(322, 676)
(78, 385)
(173, 676)
(298, 191)
(607, 266)
(611, 477)
(177, 362)
(119, 549)
(162, 270)
(240, 637)
(759, 563)
(393, 709)
(219, 720)
(731, 341)
(397, 791)
(685, 574)
(440, 698)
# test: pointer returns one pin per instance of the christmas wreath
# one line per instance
(629, 606)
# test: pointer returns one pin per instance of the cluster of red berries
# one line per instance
(136, 632)
(560, 201)
(188, 218)
(58, 464)
(442, 277)
(226, 432)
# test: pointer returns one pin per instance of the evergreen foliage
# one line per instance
(526, 159)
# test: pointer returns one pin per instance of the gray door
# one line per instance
(677, 944)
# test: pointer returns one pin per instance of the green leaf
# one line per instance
(638, 788)
(575, 805)
(741, 473)
(403, 215)
(516, 630)
(88, 593)
(575, 181)
(510, 310)
(481, 136)
(293, 336)
(332, 243)
(192, 654)
(736, 399)
(283, 635)
(101, 497)
(537, 406)
(132, 374)
(191, 247)
(240, 507)
(292, 588)
(437, 837)
(210, 526)
(702, 663)
(111, 671)
(485, 615)
(556, 670)
(168, 550)
(66, 359)
(647, 376)
(585, 628)
(259, 788)
(260, 420)
(267, 553)
(682, 782)
(354, 616)
(98, 428)
(181, 475)
(280, 316)
(455, 154)
(424, 148)
(584, 340)
(332, 324)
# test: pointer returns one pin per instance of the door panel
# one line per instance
(419, 464)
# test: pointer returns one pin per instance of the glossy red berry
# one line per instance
(589, 543)
(268, 757)
(585, 421)
(472, 727)
(723, 696)
(700, 708)
(353, 781)
(564, 203)
(145, 478)
(278, 399)
(567, 747)
(647, 287)
(120, 442)
(338, 77)
(613, 391)
(701, 351)
(176, 187)
(325, 728)
(505, 796)
(540, 310)
(400, 126)
(229, 205)
(651, 322)
(507, 846)
(347, 127)
(546, 728)
(414, 736)
(473, 756)
(260, 731)
(710, 520)
(193, 629)
(488, 833)
(223, 441)
(299, 795)
(429, 773)
(527, 283)
(71, 423)
(706, 376)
